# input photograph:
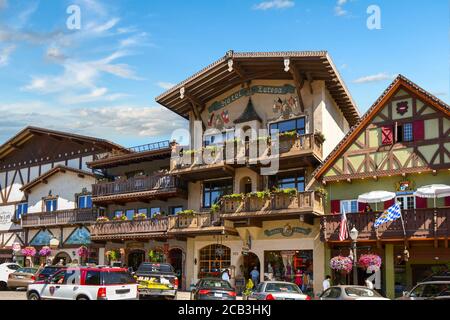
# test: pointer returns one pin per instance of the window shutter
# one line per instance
(361, 206)
(418, 130)
(335, 206)
(421, 203)
(389, 204)
(447, 201)
(387, 135)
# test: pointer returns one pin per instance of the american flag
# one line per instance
(343, 231)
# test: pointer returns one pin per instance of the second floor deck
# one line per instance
(59, 218)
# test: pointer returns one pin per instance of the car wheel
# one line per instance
(82, 298)
(34, 296)
(170, 298)
(3, 285)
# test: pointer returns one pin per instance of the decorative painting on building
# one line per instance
(42, 238)
(79, 236)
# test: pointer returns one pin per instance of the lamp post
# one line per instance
(354, 236)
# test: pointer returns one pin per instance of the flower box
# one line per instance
(232, 203)
(285, 199)
(257, 201)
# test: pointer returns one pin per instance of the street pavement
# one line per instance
(21, 295)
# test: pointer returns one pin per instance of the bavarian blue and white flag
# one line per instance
(391, 214)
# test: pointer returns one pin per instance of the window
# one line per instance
(175, 210)
(290, 181)
(212, 191)
(72, 277)
(92, 278)
(154, 211)
(297, 125)
(118, 213)
(85, 201)
(58, 278)
(22, 209)
(404, 132)
(407, 202)
(349, 206)
(51, 205)
(213, 259)
(143, 211)
(282, 287)
(130, 214)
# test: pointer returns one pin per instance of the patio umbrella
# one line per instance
(376, 196)
(433, 191)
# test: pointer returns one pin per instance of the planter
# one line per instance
(256, 203)
(231, 205)
(287, 142)
(285, 201)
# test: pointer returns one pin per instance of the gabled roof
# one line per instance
(249, 114)
(27, 133)
(216, 78)
(58, 169)
(400, 82)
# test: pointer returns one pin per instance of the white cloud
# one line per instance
(274, 4)
(101, 28)
(374, 78)
(165, 85)
(339, 8)
(5, 54)
(97, 94)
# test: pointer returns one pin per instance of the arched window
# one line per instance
(213, 259)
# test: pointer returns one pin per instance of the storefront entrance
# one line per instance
(62, 258)
(251, 261)
(135, 258)
(176, 260)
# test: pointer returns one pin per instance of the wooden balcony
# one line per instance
(138, 189)
(199, 224)
(220, 161)
(276, 205)
(59, 218)
(433, 224)
(130, 230)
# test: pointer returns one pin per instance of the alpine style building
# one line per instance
(401, 144)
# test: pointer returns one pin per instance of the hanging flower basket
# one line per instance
(45, 251)
(29, 252)
(342, 264)
(370, 262)
(83, 252)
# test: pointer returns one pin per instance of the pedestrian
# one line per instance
(299, 278)
(369, 283)
(254, 274)
(226, 275)
(326, 283)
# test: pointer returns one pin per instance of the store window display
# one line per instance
(291, 266)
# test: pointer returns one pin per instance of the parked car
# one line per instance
(47, 271)
(21, 278)
(85, 283)
(213, 289)
(430, 290)
(5, 270)
(277, 290)
(350, 293)
(157, 280)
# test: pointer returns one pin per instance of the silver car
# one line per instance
(277, 290)
(350, 293)
(431, 290)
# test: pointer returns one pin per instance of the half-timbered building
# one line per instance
(45, 190)
(402, 143)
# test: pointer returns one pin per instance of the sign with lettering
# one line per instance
(6, 216)
(286, 89)
(287, 231)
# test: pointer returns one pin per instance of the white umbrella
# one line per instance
(376, 196)
(433, 191)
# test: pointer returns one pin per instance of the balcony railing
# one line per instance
(214, 156)
(132, 228)
(63, 217)
(139, 184)
(192, 222)
(275, 204)
(138, 149)
(419, 223)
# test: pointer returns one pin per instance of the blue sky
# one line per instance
(101, 80)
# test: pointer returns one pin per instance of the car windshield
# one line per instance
(13, 266)
(26, 270)
(361, 292)
(155, 267)
(282, 287)
(117, 277)
(49, 271)
(215, 284)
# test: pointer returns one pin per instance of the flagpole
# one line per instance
(403, 223)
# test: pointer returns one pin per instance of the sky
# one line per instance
(101, 79)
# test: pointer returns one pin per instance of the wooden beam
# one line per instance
(299, 83)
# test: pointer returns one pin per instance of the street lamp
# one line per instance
(354, 236)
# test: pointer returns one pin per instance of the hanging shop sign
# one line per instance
(286, 89)
(404, 186)
(287, 231)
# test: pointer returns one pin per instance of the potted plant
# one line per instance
(186, 213)
(215, 208)
(258, 200)
(45, 252)
(341, 264)
(83, 253)
(120, 218)
(285, 198)
(232, 202)
(29, 252)
(140, 216)
(370, 262)
(102, 219)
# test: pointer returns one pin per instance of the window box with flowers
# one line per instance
(102, 219)
(120, 218)
(258, 200)
(233, 202)
(140, 216)
(285, 198)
